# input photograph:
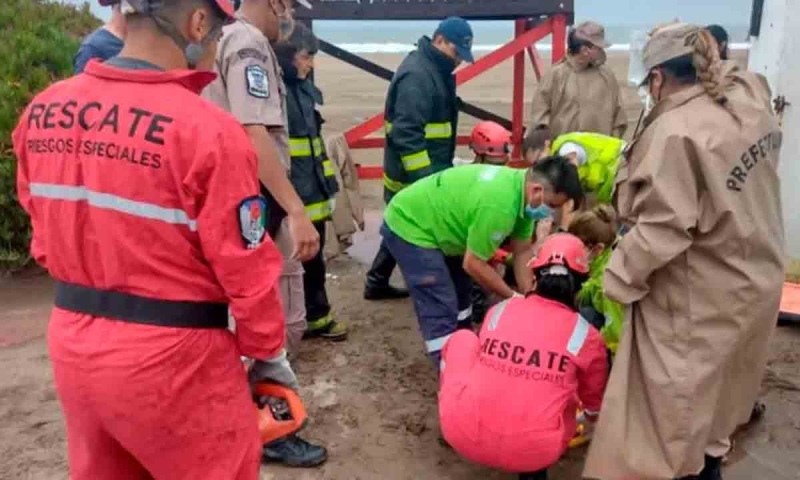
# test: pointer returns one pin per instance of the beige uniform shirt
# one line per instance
(574, 99)
(700, 273)
(250, 83)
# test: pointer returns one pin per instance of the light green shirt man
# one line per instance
(472, 208)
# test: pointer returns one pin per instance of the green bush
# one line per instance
(38, 39)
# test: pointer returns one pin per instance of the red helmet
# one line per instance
(490, 139)
(562, 249)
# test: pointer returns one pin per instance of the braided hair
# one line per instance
(702, 66)
(708, 64)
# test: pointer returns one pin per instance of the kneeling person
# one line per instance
(541, 349)
(444, 229)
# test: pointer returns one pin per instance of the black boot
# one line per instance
(386, 292)
(377, 286)
(712, 470)
(540, 475)
(293, 451)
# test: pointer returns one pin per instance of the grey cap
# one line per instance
(593, 33)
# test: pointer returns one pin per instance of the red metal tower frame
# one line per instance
(525, 39)
(527, 32)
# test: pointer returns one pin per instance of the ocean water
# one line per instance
(399, 37)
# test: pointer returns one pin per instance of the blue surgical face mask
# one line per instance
(538, 213)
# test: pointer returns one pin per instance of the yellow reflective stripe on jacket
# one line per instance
(392, 185)
(327, 168)
(433, 131)
(318, 147)
(416, 161)
(319, 211)
(299, 147)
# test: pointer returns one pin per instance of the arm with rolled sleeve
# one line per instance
(487, 232)
(665, 206)
(412, 109)
(592, 372)
(227, 177)
(522, 250)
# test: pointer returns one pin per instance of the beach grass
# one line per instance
(793, 271)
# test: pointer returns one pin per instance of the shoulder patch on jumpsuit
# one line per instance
(257, 81)
(253, 220)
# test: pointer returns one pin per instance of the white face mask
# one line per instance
(648, 102)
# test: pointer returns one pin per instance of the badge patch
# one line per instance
(253, 220)
(257, 81)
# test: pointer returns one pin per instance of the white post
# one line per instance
(775, 53)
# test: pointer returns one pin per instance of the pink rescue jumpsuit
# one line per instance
(508, 398)
(136, 186)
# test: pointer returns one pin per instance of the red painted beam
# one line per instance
(536, 62)
(362, 130)
(505, 52)
(373, 142)
(518, 101)
(369, 172)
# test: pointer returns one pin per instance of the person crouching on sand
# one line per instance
(508, 396)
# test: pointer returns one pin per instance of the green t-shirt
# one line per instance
(473, 207)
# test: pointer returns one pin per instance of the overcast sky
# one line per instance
(625, 12)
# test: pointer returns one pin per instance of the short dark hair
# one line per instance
(574, 44)
(303, 38)
(719, 33)
(561, 174)
(536, 138)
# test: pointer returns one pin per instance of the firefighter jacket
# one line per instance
(421, 118)
(311, 172)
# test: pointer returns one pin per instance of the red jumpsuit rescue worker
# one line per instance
(508, 396)
(312, 172)
(249, 86)
(145, 210)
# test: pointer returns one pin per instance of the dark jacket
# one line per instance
(421, 118)
(311, 171)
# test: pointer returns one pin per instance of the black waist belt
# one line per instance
(136, 309)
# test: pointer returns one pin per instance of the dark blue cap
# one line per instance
(458, 32)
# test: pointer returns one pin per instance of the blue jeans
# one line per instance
(439, 286)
